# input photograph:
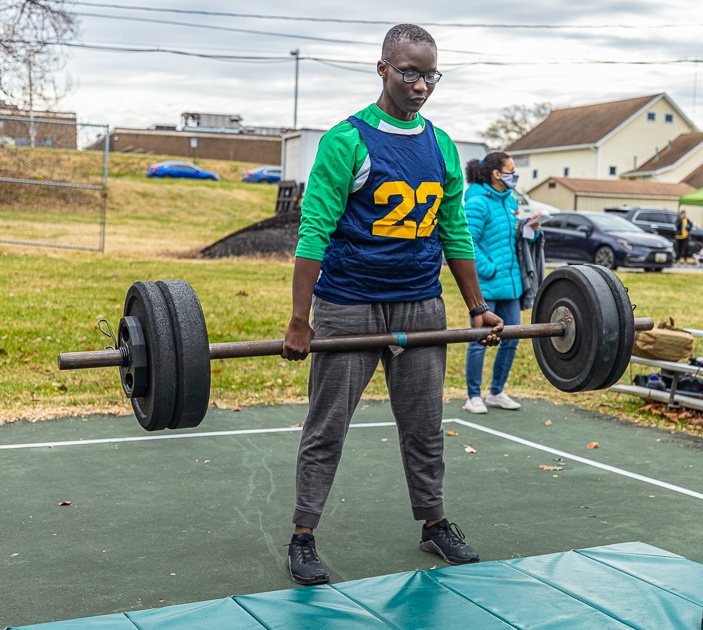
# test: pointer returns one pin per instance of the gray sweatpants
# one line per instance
(415, 380)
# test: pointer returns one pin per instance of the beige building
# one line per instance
(601, 141)
(592, 195)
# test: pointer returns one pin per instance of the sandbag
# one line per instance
(664, 343)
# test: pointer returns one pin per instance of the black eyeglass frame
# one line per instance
(413, 76)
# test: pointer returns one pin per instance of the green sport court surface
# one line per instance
(163, 529)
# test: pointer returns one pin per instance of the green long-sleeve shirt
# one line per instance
(341, 166)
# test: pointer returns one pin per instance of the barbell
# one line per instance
(582, 331)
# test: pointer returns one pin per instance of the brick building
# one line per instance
(201, 135)
(40, 129)
(193, 145)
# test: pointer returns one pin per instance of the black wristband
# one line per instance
(481, 308)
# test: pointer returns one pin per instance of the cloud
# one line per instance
(138, 89)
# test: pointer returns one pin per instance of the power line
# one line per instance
(380, 22)
(230, 29)
(354, 62)
(285, 35)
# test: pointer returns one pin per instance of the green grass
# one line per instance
(52, 300)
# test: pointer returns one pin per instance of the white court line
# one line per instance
(172, 436)
(582, 460)
(477, 427)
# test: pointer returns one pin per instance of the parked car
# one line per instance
(604, 239)
(180, 169)
(263, 175)
(658, 221)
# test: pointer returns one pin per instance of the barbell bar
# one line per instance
(273, 347)
(582, 325)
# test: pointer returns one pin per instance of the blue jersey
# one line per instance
(386, 246)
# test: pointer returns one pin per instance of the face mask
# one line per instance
(509, 179)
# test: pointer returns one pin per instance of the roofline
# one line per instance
(569, 147)
(191, 134)
(579, 193)
(591, 193)
(671, 167)
(596, 145)
(627, 121)
(656, 99)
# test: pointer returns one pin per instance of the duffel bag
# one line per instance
(665, 343)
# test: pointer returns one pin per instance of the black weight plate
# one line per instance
(145, 301)
(626, 320)
(192, 353)
(589, 299)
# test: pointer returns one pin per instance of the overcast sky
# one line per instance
(492, 56)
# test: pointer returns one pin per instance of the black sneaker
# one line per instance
(304, 564)
(447, 540)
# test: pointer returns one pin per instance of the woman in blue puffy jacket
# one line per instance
(492, 215)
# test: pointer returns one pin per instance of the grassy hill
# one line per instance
(145, 217)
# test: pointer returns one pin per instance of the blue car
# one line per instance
(604, 239)
(180, 169)
(263, 175)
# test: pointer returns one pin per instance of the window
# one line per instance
(612, 170)
(573, 222)
(669, 118)
(552, 185)
(534, 173)
(566, 171)
(651, 116)
(654, 217)
(554, 222)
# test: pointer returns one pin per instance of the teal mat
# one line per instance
(629, 585)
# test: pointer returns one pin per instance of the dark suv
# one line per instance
(658, 221)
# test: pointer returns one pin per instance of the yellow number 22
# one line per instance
(394, 225)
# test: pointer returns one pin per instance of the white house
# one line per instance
(601, 141)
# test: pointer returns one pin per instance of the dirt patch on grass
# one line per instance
(275, 237)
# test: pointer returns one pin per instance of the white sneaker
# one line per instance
(475, 405)
(501, 400)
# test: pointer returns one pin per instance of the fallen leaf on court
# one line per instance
(364, 408)
(295, 426)
(548, 423)
(547, 467)
(469, 449)
(452, 433)
(592, 445)
(64, 502)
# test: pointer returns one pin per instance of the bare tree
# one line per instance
(514, 122)
(31, 35)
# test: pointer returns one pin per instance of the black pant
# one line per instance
(681, 248)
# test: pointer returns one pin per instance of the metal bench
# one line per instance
(672, 398)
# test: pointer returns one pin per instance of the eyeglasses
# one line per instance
(411, 76)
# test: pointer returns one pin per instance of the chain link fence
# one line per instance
(53, 192)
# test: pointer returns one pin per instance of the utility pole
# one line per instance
(296, 54)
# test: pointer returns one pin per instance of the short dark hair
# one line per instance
(479, 171)
(405, 33)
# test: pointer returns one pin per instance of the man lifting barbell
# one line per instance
(383, 204)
